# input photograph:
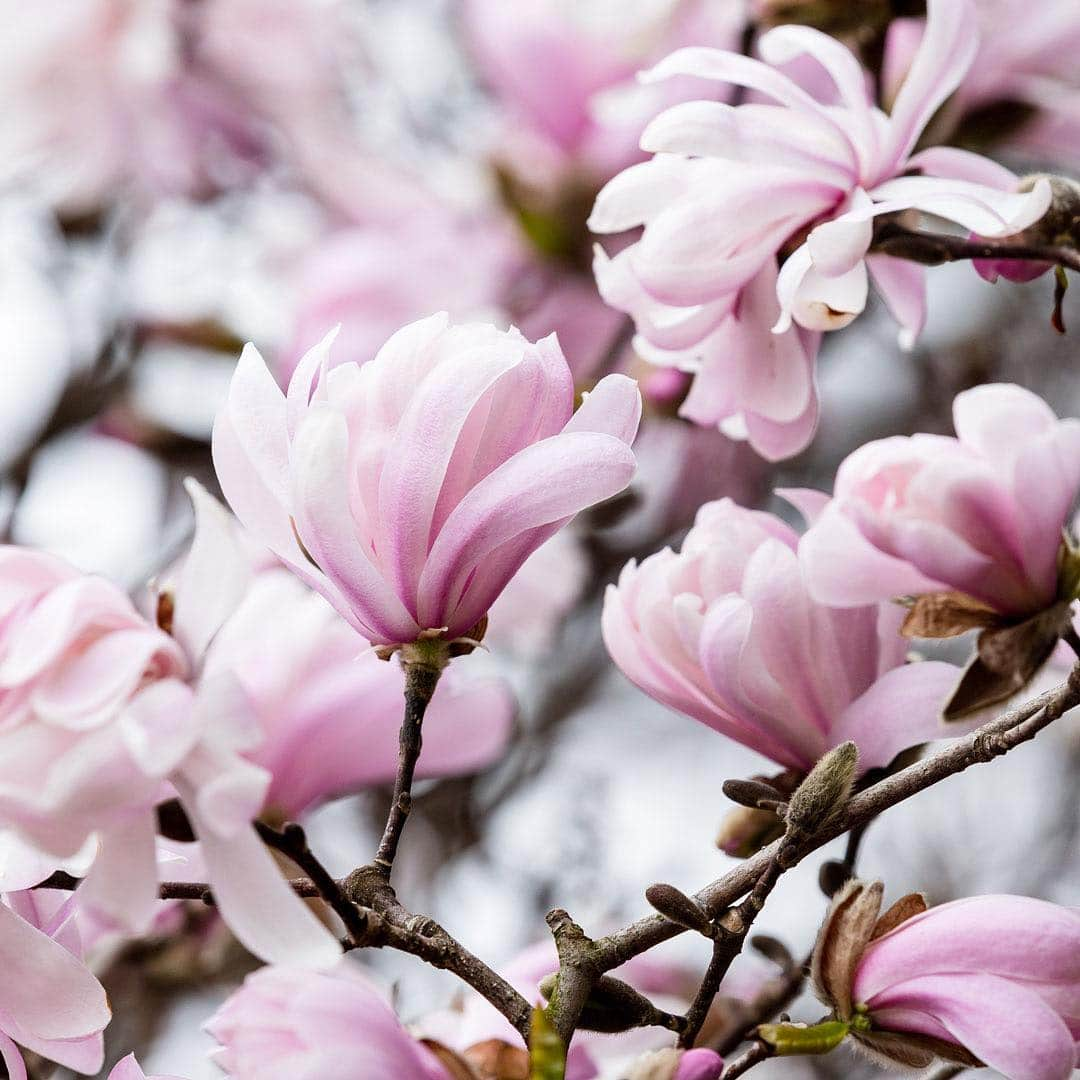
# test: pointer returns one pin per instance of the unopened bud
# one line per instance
(755, 794)
(1060, 225)
(773, 949)
(744, 832)
(496, 1060)
(679, 908)
(672, 1064)
(825, 791)
(614, 1006)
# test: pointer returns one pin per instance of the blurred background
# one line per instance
(178, 177)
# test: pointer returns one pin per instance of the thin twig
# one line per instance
(1072, 639)
(757, 1053)
(199, 891)
(933, 249)
(997, 737)
(768, 1004)
(420, 683)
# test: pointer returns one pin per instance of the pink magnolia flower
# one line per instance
(375, 278)
(285, 1022)
(50, 1003)
(981, 513)
(726, 631)
(328, 710)
(564, 72)
(410, 489)
(996, 975)
(100, 716)
(1024, 58)
(672, 1064)
(730, 188)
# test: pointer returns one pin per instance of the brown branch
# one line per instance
(420, 683)
(198, 891)
(997, 737)
(757, 1053)
(934, 249)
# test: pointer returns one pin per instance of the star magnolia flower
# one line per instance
(50, 1003)
(725, 631)
(285, 1022)
(990, 979)
(981, 513)
(730, 187)
(1022, 59)
(410, 489)
(102, 711)
(328, 709)
(565, 71)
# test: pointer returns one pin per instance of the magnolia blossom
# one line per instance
(998, 976)
(980, 513)
(375, 278)
(408, 490)
(103, 711)
(328, 710)
(1024, 58)
(564, 72)
(287, 1023)
(50, 1003)
(726, 631)
(730, 188)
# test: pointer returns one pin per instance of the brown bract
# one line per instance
(1009, 652)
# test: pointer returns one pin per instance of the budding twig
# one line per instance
(934, 249)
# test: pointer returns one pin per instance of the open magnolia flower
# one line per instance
(731, 188)
(726, 631)
(50, 1003)
(106, 714)
(989, 980)
(410, 489)
(971, 527)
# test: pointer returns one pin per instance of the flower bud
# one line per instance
(825, 791)
(744, 832)
(672, 1064)
(679, 908)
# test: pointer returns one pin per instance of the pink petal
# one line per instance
(638, 194)
(13, 1059)
(320, 485)
(541, 486)
(955, 164)
(256, 901)
(902, 285)
(215, 575)
(902, 709)
(122, 886)
(1003, 1023)
(47, 995)
(946, 53)
(612, 407)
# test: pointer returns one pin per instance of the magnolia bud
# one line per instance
(825, 791)
(744, 832)
(614, 1006)
(672, 1064)
(679, 908)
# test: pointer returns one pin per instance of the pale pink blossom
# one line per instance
(50, 1003)
(564, 72)
(104, 714)
(290, 1024)
(980, 513)
(726, 631)
(996, 975)
(372, 279)
(328, 710)
(731, 188)
(1026, 57)
(408, 490)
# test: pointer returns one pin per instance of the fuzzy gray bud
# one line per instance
(825, 791)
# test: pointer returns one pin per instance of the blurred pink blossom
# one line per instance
(128, 1069)
(981, 513)
(328, 710)
(285, 1022)
(100, 717)
(454, 452)
(1024, 58)
(730, 188)
(565, 72)
(50, 1003)
(725, 631)
(997, 975)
